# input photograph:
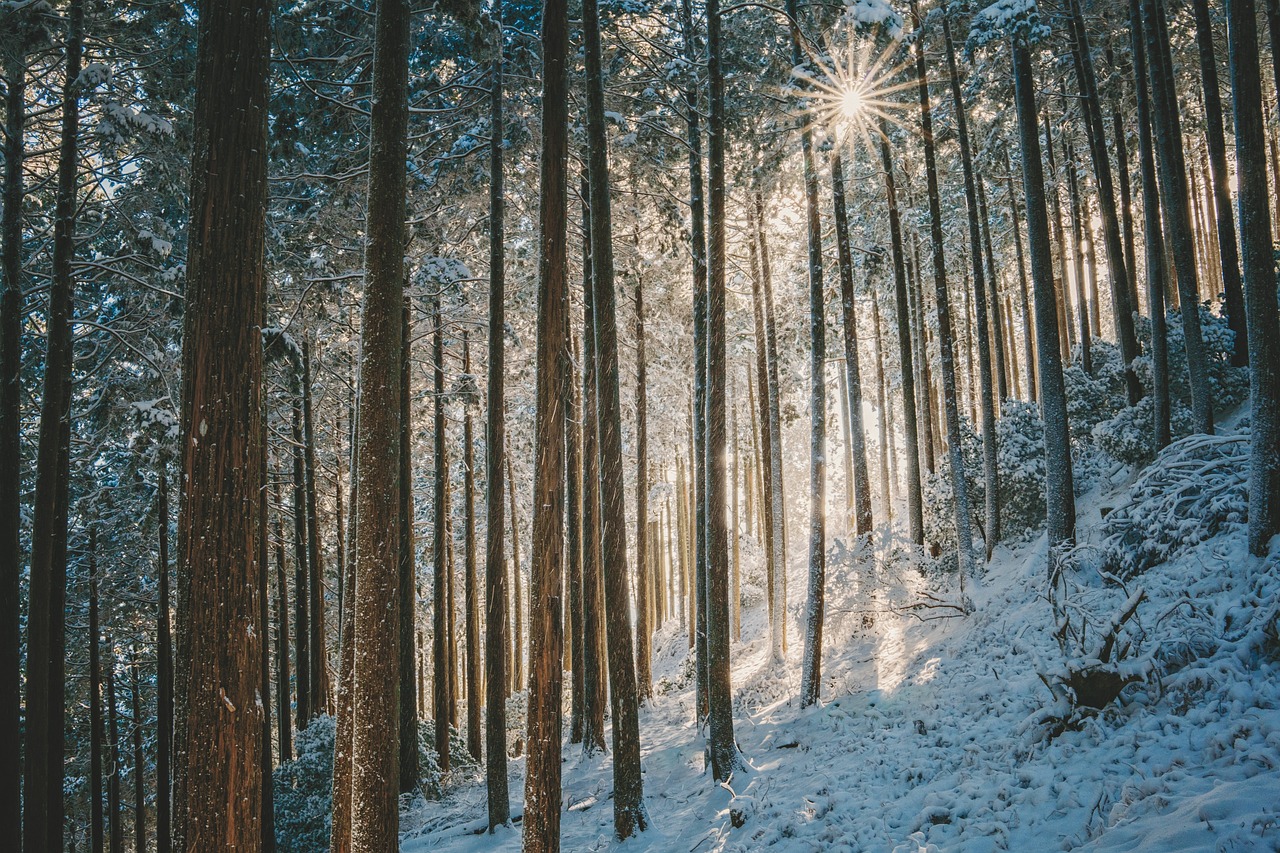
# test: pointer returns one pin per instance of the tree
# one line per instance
(628, 794)
(723, 749)
(408, 744)
(542, 776)
(1173, 197)
(222, 434)
(471, 603)
(1259, 278)
(442, 699)
(375, 813)
(43, 771)
(495, 569)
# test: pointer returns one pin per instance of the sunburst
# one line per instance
(852, 89)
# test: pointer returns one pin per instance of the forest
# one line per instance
(640, 424)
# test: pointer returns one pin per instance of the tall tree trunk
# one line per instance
(408, 566)
(1077, 251)
(164, 670)
(697, 463)
(139, 760)
(1153, 237)
(283, 721)
(811, 666)
(268, 826)
(15, 71)
(221, 724)
(882, 393)
(1260, 284)
(775, 560)
(629, 814)
(1216, 141)
(1006, 380)
(315, 565)
(644, 588)
(576, 529)
(1177, 217)
(1028, 329)
(340, 828)
(959, 487)
(593, 677)
(495, 570)
(778, 618)
(375, 718)
(43, 771)
(990, 474)
(723, 749)
(471, 592)
(910, 426)
(1117, 269)
(96, 833)
(517, 584)
(441, 610)
(301, 577)
(1065, 323)
(863, 521)
(542, 776)
(1059, 497)
(115, 820)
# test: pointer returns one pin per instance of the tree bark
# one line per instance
(115, 820)
(139, 760)
(408, 567)
(375, 718)
(164, 672)
(219, 794)
(960, 489)
(43, 771)
(1153, 237)
(629, 815)
(1177, 217)
(990, 473)
(542, 777)
(96, 828)
(644, 592)
(283, 721)
(471, 592)
(301, 577)
(495, 570)
(1029, 343)
(1059, 497)
(441, 611)
(1260, 284)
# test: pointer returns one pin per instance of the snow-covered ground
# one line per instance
(931, 732)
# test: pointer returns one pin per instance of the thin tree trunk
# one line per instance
(43, 770)
(644, 593)
(1177, 219)
(96, 829)
(315, 564)
(340, 828)
(1260, 285)
(283, 717)
(882, 429)
(959, 487)
(164, 670)
(1059, 497)
(301, 577)
(268, 825)
(1065, 321)
(1028, 329)
(1119, 273)
(542, 777)
(1153, 237)
(375, 719)
(862, 517)
(1006, 379)
(442, 615)
(15, 70)
(573, 495)
(990, 474)
(594, 685)
(1077, 246)
(221, 720)
(407, 565)
(471, 591)
(915, 504)
(778, 491)
(721, 745)
(139, 761)
(495, 570)
(115, 820)
(517, 584)
(629, 815)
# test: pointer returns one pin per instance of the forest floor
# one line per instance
(934, 733)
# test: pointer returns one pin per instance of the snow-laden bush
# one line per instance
(303, 791)
(1019, 467)
(1196, 488)
(1097, 396)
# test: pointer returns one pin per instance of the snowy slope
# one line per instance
(929, 737)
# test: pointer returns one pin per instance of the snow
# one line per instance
(936, 732)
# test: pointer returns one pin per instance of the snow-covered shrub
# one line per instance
(1094, 397)
(1129, 437)
(1228, 385)
(303, 791)
(1194, 490)
(1019, 467)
